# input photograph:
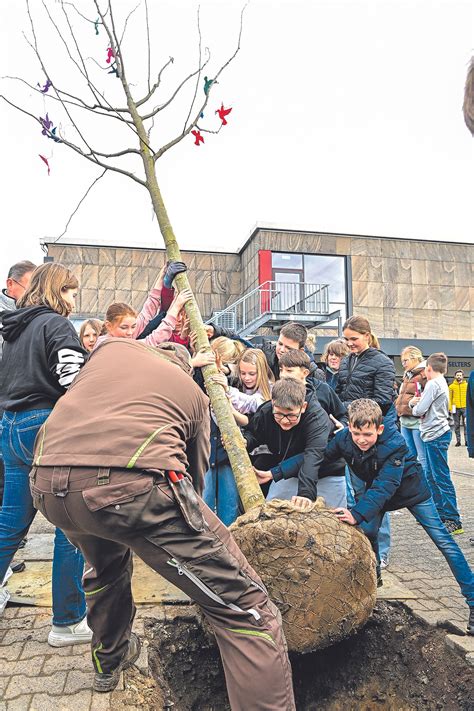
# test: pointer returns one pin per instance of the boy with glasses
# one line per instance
(289, 425)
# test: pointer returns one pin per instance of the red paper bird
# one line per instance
(223, 113)
(45, 160)
(110, 55)
(198, 137)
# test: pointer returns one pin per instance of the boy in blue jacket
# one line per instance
(394, 480)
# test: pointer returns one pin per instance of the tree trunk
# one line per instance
(247, 484)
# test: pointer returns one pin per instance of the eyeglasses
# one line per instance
(291, 417)
(17, 282)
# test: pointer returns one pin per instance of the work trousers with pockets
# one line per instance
(108, 514)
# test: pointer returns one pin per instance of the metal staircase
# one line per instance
(273, 303)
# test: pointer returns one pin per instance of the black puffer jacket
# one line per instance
(369, 375)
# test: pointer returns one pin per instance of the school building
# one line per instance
(414, 292)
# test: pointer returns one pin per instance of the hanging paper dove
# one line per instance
(46, 86)
(96, 25)
(207, 84)
(199, 138)
(53, 135)
(45, 160)
(223, 113)
(110, 55)
(46, 124)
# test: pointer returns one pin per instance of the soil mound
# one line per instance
(318, 571)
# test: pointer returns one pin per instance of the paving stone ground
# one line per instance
(36, 677)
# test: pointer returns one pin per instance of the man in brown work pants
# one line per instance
(110, 511)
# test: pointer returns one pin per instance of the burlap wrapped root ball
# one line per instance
(318, 571)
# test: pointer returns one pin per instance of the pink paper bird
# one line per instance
(223, 113)
(110, 55)
(199, 138)
(45, 160)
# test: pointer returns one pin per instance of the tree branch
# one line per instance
(126, 21)
(199, 72)
(147, 23)
(36, 51)
(157, 109)
(187, 131)
(78, 51)
(79, 204)
(75, 148)
(155, 85)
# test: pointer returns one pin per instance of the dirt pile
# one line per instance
(318, 571)
(395, 663)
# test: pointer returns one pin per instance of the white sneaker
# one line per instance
(383, 563)
(4, 598)
(79, 633)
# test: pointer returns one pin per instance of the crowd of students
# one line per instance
(336, 429)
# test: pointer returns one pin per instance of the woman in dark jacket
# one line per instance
(42, 355)
(367, 373)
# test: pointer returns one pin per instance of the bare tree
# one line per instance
(139, 122)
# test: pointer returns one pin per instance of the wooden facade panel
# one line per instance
(406, 288)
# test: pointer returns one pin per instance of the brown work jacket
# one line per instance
(129, 408)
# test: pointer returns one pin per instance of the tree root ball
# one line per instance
(318, 571)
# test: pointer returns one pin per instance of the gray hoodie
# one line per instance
(433, 409)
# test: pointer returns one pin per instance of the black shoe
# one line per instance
(470, 622)
(104, 683)
(458, 444)
(18, 566)
(22, 543)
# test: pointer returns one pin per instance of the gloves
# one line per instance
(172, 270)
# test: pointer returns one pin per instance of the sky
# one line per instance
(346, 117)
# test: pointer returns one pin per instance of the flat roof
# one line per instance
(262, 226)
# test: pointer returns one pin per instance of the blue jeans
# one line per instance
(221, 494)
(382, 549)
(415, 445)
(439, 478)
(17, 514)
(427, 515)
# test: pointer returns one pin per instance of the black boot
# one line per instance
(107, 682)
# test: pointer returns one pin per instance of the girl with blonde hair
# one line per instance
(89, 332)
(42, 355)
(255, 380)
(413, 384)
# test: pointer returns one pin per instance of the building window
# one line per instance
(315, 269)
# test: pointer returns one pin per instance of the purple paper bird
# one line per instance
(46, 86)
(46, 124)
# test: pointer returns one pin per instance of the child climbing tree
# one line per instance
(138, 116)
